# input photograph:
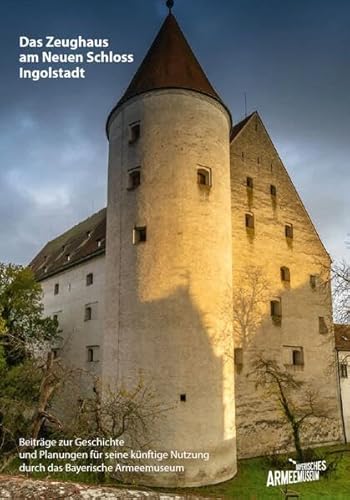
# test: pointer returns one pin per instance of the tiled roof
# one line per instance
(169, 63)
(83, 241)
(342, 337)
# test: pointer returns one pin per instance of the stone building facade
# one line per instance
(202, 219)
(280, 273)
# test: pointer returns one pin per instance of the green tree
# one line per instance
(23, 331)
(22, 325)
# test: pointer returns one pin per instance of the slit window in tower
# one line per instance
(134, 132)
(89, 279)
(204, 176)
(273, 190)
(250, 183)
(139, 235)
(56, 290)
(134, 179)
(183, 397)
(288, 231)
(249, 220)
(285, 274)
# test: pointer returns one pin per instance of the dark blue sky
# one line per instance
(290, 57)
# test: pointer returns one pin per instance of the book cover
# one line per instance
(174, 285)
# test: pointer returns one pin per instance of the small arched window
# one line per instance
(204, 176)
(285, 274)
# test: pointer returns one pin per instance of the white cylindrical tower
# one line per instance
(169, 260)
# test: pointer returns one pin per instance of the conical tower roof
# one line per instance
(169, 63)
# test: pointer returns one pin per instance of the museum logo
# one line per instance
(302, 473)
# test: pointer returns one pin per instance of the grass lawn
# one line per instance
(250, 482)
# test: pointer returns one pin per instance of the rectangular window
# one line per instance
(293, 355)
(288, 231)
(56, 290)
(313, 281)
(343, 370)
(276, 311)
(250, 183)
(322, 325)
(249, 220)
(88, 313)
(134, 179)
(273, 190)
(89, 279)
(298, 357)
(139, 235)
(285, 274)
(57, 316)
(92, 353)
(134, 132)
(238, 356)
